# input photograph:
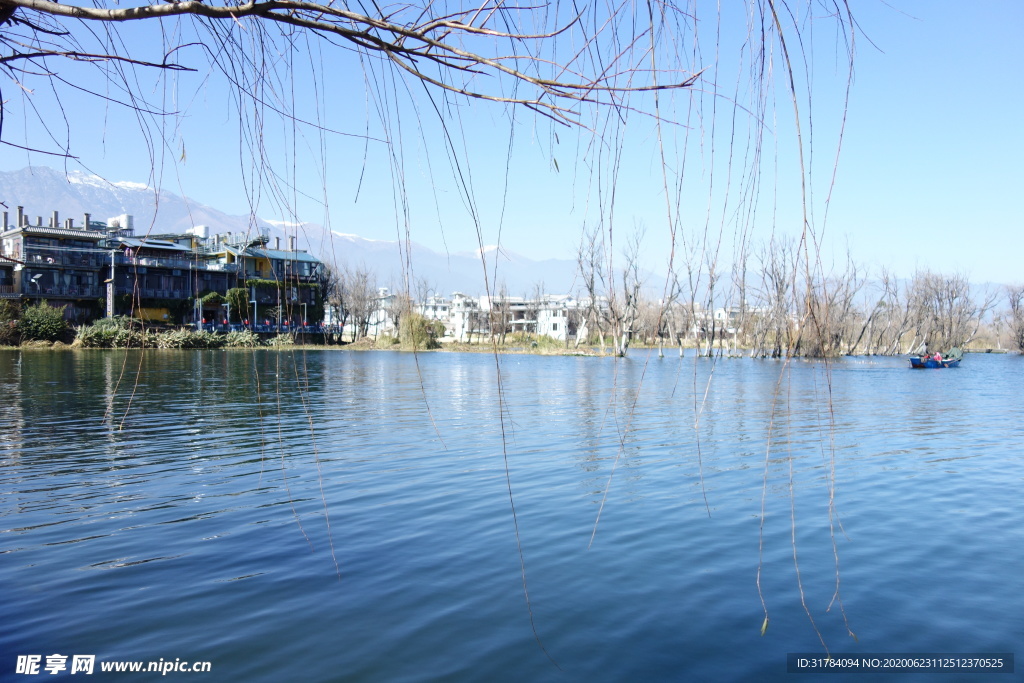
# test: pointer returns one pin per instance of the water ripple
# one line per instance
(223, 512)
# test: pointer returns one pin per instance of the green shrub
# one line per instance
(416, 332)
(43, 322)
(536, 343)
(118, 322)
(238, 297)
(282, 340)
(244, 339)
(190, 339)
(9, 310)
(9, 314)
(212, 299)
(95, 337)
(9, 333)
(119, 332)
(544, 341)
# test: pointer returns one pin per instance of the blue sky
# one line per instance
(928, 176)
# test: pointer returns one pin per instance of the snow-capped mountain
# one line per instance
(42, 190)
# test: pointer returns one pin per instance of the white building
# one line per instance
(465, 320)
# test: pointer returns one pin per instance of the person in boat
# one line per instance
(937, 357)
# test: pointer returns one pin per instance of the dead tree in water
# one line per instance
(775, 335)
(591, 269)
(1015, 294)
(625, 311)
(946, 312)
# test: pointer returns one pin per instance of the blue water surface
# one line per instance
(377, 516)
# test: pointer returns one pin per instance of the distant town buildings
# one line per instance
(94, 269)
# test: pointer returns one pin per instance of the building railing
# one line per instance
(149, 293)
(176, 263)
(7, 289)
(45, 258)
(183, 264)
(76, 291)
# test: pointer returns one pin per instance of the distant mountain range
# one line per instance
(41, 191)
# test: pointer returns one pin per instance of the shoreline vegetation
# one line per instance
(109, 337)
(364, 345)
(43, 327)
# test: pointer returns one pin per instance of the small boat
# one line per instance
(950, 359)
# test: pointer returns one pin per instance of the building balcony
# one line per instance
(69, 292)
(37, 258)
(174, 263)
(150, 261)
(148, 293)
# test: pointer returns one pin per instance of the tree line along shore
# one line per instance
(43, 326)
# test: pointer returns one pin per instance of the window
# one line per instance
(554, 327)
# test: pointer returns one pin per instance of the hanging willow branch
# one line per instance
(451, 44)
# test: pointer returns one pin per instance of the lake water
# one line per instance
(323, 516)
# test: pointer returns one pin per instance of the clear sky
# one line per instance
(929, 173)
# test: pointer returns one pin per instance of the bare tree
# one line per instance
(891, 318)
(423, 289)
(834, 323)
(775, 335)
(335, 295)
(362, 300)
(677, 313)
(534, 304)
(399, 306)
(590, 264)
(742, 322)
(1015, 294)
(500, 315)
(624, 304)
(946, 312)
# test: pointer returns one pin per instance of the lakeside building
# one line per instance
(103, 267)
(288, 283)
(62, 264)
(382, 315)
(466, 321)
(472, 319)
(561, 317)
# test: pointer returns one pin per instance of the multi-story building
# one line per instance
(467, 318)
(466, 321)
(63, 264)
(101, 267)
(288, 283)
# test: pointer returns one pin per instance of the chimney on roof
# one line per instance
(56, 220)
(69, 223)
(21, 216)
(4, 227)
(87, 217)
(291, 243)
(277, 243)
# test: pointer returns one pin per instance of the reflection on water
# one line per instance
(191, 504)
